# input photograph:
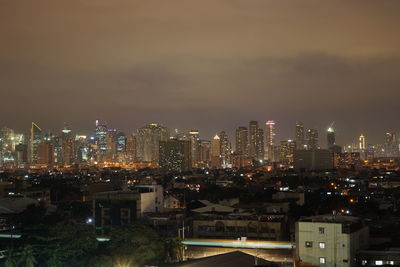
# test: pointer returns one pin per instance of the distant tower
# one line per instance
(330, 137)
(101, 139)
(242, 141)
(391, 145)
(194, 137)
(312, 139)
(148, 138)
(299, 136)
(253, 137)
(216, 152)
(35, 139)
(225, 149)
(361, 144)
(270, 140)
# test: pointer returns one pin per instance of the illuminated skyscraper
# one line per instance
(270, 140)
(312, 139)
(391, 145)
(148, 138)
(131, 149)
(216, 152)
(242, 141)
(330, 137)
(46, 150)
(101, 139)
(286, 152)
(205, 153)
(34, 140)
(82, 149)
(260, 144)
(299, 135)
(361, 142)
(7, 146)
(226, 150)
(195, 143)
(175, 155)
(68, 151)
(253, 139)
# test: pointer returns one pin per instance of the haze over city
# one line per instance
(207, 65)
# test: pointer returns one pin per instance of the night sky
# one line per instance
(210, 64)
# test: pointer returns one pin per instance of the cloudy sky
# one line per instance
(210, 64)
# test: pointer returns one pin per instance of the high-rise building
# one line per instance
(68, 151)
(82, 149)
(101, 139)
(391, 145)
(175, 155)
(46, 150)
(330, 137)
(7, 146)
(361, 142)
(226, 150)
(312, 139)
(216, 152)
(111, 145)
(260, 145)
(131, 148)
(270, 141)
(253, 139)
(148, 138)
(299, 135)
(205, 154)
(286, 154)
(195, 147)
(242, 141)
(35, 138)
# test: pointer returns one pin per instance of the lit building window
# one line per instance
(309, 244)
(378, 262)
(321, 244)
(322, 260)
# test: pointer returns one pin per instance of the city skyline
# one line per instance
(248, 60)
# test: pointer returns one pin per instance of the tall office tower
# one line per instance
(270, 141)
(205, 154)
(67, 141)
(111, 145)
(7, 146)
(330, 137)
(121, 142)
(299, 135)
(21, 155)
(58, 156)
(46, 150)
(253, 137)
(81, 145)
(361, 142)
(195, 147)
(242, 143)
(131, 149)
(391, 145)
(226, 150)
(148, 138)
(286, 152)
(216, 152)
(175, 155)
(260, 145)
(312, 139)
(34, 140)
(101, 139)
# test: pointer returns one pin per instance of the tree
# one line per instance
(137, 243)
(27, 256)
(174, 249)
